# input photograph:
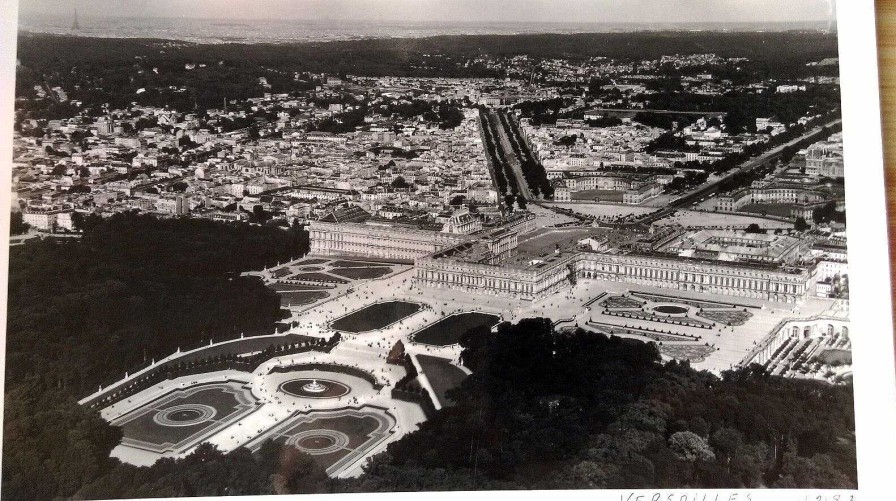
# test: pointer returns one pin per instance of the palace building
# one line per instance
(452, 270)
(716, 262)
(740, 279)
(723, 245)
(377, 240)
(775, 193)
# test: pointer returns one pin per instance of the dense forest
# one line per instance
(84, 311)
(742, 109)
(547, 410)
(17, 224)
(97, 71)
(396, 56)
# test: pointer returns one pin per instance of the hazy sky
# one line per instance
(451, 10)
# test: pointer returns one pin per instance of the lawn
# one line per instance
(661, 298)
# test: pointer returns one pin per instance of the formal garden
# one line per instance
(661, 298)
(180, 419)
(622, 302)
(329, 272)
(652, 334)
(727, 317)
(663, 319)
(334, 439)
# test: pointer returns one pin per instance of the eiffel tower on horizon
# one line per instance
(75, 25)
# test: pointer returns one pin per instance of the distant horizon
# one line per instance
(414, 11)
(83, 17)
(213, 30)
(407, 21)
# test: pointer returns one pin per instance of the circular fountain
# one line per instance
(314, 387)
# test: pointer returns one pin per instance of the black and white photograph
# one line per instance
(348, 246)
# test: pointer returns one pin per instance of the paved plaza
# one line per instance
(700, 219)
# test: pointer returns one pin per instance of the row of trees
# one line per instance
(533, 171)
(689, 180)
(495, 159)
(199, 365)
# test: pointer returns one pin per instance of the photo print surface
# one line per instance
(311, 247)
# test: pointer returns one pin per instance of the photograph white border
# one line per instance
(874, 380)
(870, 304)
